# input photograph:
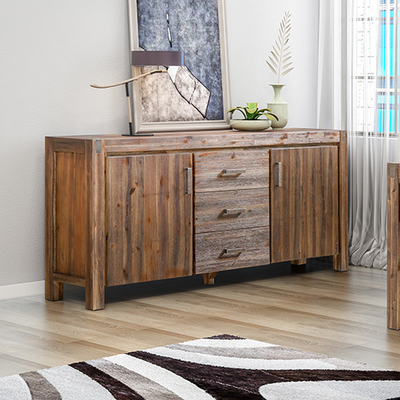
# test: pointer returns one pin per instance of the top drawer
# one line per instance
(231, 170)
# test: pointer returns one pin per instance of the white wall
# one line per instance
(51, 50)
(252, 30)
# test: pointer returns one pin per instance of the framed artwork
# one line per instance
(190, 97)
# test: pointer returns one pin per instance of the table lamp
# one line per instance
(147, 58)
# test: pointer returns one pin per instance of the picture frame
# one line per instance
(160, 104)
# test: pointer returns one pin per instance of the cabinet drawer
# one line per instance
(230, 170)
(239, 248)
(234, 209)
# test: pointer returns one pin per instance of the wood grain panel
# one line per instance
(341, 260)
(96, 226)
(149, 218)
(304, 208)
(244, 209)
(70, 195)
(210, 249)
(184, 141)
(53, 289)
(210, 166)
(69, 145)
(393, 247)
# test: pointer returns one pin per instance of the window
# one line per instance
(386, 104)
(375, 75)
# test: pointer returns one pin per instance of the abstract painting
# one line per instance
(190, 97)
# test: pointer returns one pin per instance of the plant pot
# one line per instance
(279, 107)
(250, 124)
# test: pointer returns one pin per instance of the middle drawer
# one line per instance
(234, 209)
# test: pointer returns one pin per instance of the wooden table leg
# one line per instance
(94, 296)
(209, 278)
(299, 262)
(96, 224)
(341, 260)
(393, 276)
(53, 290)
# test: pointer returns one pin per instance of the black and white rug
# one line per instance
(219, 367)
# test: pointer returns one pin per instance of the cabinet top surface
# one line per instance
(209, 139)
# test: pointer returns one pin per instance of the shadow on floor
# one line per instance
(195, 282)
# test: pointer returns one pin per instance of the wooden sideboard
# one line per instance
(123, 209)
(393, 246)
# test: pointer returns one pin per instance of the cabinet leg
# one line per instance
(54, 291)
(299, 262)
(95, 299)
(341, 260)
(209, 278)
(340, 263)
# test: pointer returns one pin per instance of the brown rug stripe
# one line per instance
(244, 383)
(40, 387)
(222, 383)
(225, 337)
(115, 387)
(338, 375)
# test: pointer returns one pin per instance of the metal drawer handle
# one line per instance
(234, 211)
(233, 171)
(234, 251)
(189, 181)
(278, 174)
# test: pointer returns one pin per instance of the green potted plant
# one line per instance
(252, 118)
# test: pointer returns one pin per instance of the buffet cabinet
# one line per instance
(121, 210)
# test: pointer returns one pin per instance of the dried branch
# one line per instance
(280, 54)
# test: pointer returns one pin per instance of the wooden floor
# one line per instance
(337, 314)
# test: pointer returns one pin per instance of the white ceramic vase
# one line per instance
(279, 107)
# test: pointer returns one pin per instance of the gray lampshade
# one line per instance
(166, 58)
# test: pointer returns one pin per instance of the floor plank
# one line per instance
(339, 314)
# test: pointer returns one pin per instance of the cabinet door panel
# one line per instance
(304, 203)
(149, 218)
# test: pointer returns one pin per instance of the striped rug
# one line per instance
(219, 367)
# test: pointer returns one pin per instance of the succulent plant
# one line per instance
(252, 112)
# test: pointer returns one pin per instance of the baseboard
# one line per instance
(21, 290)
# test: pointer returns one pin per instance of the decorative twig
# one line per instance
(135, 78)
(279, 61)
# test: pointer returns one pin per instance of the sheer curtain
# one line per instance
(370, 78)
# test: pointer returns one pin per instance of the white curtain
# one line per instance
(369, 75)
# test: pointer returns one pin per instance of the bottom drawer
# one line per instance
(218, 251)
